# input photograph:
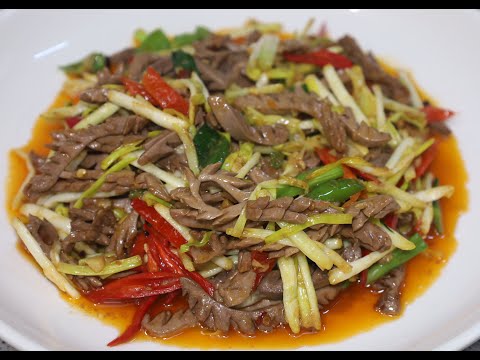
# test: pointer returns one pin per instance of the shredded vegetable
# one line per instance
(48, 268)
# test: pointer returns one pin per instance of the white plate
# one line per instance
(441, 47)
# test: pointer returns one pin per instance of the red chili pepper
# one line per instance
(328, 158)
(174, 264)
(72, 121)
(267, 266)
(158, 222)
(320, 57)
(135, 88)
(426, 160)
(435, 114)
(325, 156)
(154, 264)
(136, 323)
(163, 93)
(391, 220)
(138, 247)
(135, 286)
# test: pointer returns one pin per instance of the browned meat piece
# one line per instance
(95, 95)
(391, 284)
(163, 65)
(236, 125)
(327, 294)
(173, 162)
(271, 286)
(121, 57)
(192, 218)
(311, 160)
(238, 189)
(285, 252)
(104, 76)
(159, 147)
(376, 206)
(43, 232)
(244, 243)
(370, 236)
(199, 214)
(108, 144)
(119, 182)
(98, 231)
(234, 287)
(139, 63)
(362, 133)
(166, 324)
(257, 175)
(125, 233)
(293, 46)
(221, 62)
(151, 183)
(215, 316)
(216, 246)
(286, 102)
(92, 161)
(72, 143)
(36, 160)
(352, 252)
(391, 86)
(333, 129)
(379, 156)
(244, 261)
(282, 103)
(319, 278)
(287, 209)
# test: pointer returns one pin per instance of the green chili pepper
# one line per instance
(399, 257)
(335, 190)
(92, 63)
(182, 60)
(188, 38)
(437, 212)
(206, 238)
(276, 159)
(332, 174)
(211, 146)
(155, 41)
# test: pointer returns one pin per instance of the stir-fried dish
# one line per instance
(247, 177)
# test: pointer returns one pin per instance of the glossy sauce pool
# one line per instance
(352, 312)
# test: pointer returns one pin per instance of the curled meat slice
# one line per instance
(287, 209)
(233, 122)
(216, 316)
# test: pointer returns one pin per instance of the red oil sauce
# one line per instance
(352, 312)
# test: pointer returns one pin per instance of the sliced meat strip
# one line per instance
(391, 284)
(232, 121)
(216, 316)
(74, 141)
(391, 86)
(167, 324)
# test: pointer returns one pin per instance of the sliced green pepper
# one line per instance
(332, 174)
(188, 38)
(211, 146)
(336, 190)
(399, 257)
(92, 63)
(155, 41)
(182, 60)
